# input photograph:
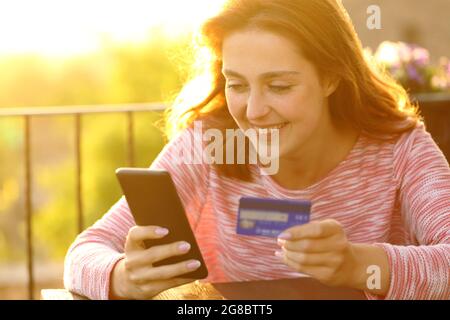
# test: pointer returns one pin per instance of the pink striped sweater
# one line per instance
(393, 195)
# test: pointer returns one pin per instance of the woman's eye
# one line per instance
(237, 87)
(279, 89)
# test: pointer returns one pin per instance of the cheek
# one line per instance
(303, 106)
(236, 105)
(293, 107)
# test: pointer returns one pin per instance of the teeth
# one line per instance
(279, 126)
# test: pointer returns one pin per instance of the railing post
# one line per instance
(28, 207)
(130, 128)
(79, 172)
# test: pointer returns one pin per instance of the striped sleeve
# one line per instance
(94, 253)
(422, 270)
(91, 258)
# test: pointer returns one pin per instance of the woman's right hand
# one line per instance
(135, 278)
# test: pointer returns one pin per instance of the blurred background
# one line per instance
(133, 56)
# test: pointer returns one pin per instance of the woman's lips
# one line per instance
(271, 126)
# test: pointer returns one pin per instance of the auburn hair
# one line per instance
(367, 97)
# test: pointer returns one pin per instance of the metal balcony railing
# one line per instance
(77, 111)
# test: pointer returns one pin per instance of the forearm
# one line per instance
(372, 272)
(418, 272)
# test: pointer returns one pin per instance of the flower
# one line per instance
(410, 65)
(439, 82)
(420, 56)
(414, 74)
(388, 53)
(445, 64)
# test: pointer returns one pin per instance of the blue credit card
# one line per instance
(269, 217)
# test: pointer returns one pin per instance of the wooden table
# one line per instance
(284, 289)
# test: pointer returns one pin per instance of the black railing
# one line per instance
(77, 111)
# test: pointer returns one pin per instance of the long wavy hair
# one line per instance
(367, 98)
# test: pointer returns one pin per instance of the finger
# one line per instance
(314, 259)
(152, 289)
(315, 229)
(321, 245)
(320, 273)
(165, 272)
(154, 254)
(137, 235)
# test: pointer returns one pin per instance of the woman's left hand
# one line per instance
(321, 250)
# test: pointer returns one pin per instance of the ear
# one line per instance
(331, 83)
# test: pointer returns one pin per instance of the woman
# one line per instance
(349, 140)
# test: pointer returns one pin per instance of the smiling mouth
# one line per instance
(272, 126)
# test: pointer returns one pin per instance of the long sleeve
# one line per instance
(422, 269)
(94, 253)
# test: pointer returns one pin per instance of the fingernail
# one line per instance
(285, 235)
(281, 242)
(161, 231)
(193, 264)
(184, 247)
(279, 254)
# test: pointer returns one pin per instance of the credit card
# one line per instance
(269, 217)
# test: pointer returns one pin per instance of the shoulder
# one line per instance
(183, 152)
(407, 140)
(415, 152)
(190, 137)
(399, 147)
(395, 155)
(180, 146)
(181, 137)
(414, 144)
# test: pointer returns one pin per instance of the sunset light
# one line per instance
(53, 27)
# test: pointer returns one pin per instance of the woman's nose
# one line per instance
(256, 106)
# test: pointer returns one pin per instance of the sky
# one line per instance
(67, 27)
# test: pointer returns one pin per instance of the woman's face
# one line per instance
(269, 84)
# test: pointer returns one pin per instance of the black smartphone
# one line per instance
(153, 200)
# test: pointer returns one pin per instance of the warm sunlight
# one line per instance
(54, 27)
(387, 53)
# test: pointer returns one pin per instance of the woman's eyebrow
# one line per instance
(267, 75)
